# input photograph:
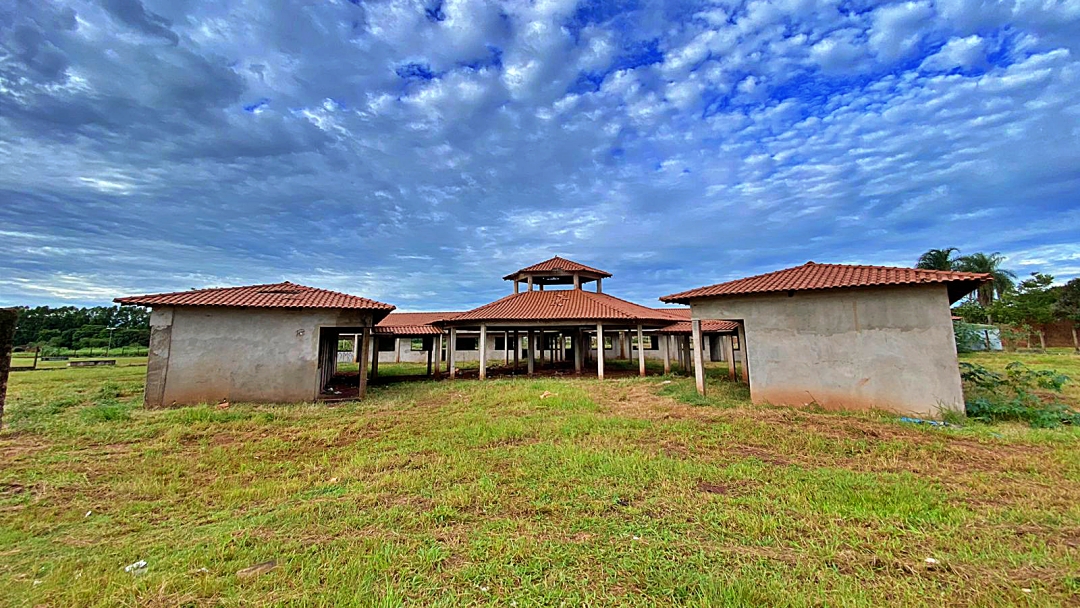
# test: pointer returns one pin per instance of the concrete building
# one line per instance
(260, 343)
(842, 336)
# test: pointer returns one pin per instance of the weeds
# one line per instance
(1020, 394)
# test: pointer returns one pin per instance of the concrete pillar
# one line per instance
(577, 281)
(665, 342)
(579, 351)
(708, 347)
(729, 355)
(375, 356)
(541, 345)
(699, 363)
(530, 284)
(506, 347)
(531, 353)
(365, 348)
(640, 352)
(517, 349)
(599, 285)
(624, 345)
(483, 351)
(437, 345)
(517, 286)
(451, 351)
(356, 348)
(742, 354)
(600, 351)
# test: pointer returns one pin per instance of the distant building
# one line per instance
(844, 336)
(260, 343)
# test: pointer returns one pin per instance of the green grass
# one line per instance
(1063, 360)
(523, 492)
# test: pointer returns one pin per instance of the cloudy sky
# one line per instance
(415, 152)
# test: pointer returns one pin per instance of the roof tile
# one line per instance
(811, 276)
(273, 295)
(564, 305)
(555, 264)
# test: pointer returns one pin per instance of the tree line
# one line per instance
(1025, 306)
(75, 328)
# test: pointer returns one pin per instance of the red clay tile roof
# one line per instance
(563, 305)
(557, 263)
(811, 276)
(708, 327)
(412, 323)
(274, 295)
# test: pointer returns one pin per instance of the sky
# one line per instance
(415, 152)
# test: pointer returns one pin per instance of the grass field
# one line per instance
(523, 493)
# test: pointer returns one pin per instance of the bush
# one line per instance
(1015, 395)
(968, 337)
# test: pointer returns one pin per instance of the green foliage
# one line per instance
(1015, 395)
(106, 411)
(1068, 301)
(72, 327)
(968, 337)
(972, 312)
(938, 259)
(990, 263)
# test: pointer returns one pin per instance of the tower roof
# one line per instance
(571, 305)
(558, 265)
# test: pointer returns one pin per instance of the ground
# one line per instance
(523, 492)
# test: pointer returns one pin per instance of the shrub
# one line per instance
(1015, 395)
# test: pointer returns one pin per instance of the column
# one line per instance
(729, 354)
(483, 351)
(517, 349)
(531, 354)
(742, 354)
(450, 352)
(356, 348)
(540, 343)
(600, 351)
(365, 348)
(438, 355)
(375, 356)
(506, 347)
(699, 363)
(579, 351)
(664, 346)
(640, 352)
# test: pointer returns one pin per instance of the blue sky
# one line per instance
(415, 152)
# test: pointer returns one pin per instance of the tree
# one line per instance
(938, 259)
(1068, 307)
(1033, 303)
(1004, 280)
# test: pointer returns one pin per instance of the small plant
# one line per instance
(968, 337)
(106, 411)
(1015, 395)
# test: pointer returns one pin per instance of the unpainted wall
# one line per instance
(206, 354)
(889, 348)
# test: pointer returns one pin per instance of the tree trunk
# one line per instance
(1076, 343)
(1042, 341)
(8, 316)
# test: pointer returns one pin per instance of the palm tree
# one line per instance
(1004, 280)
(938, 259)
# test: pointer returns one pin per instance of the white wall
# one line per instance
(889, 348)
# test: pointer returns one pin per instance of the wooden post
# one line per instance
(451, 363)
(375, 356)
(699, 364)
(600, 351)
(579, 351)
(483, 351)
(729, 354)
(531, 355)
(665, 344)
(8, 319)
(365, 348)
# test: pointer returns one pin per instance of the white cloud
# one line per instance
(965, 53)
